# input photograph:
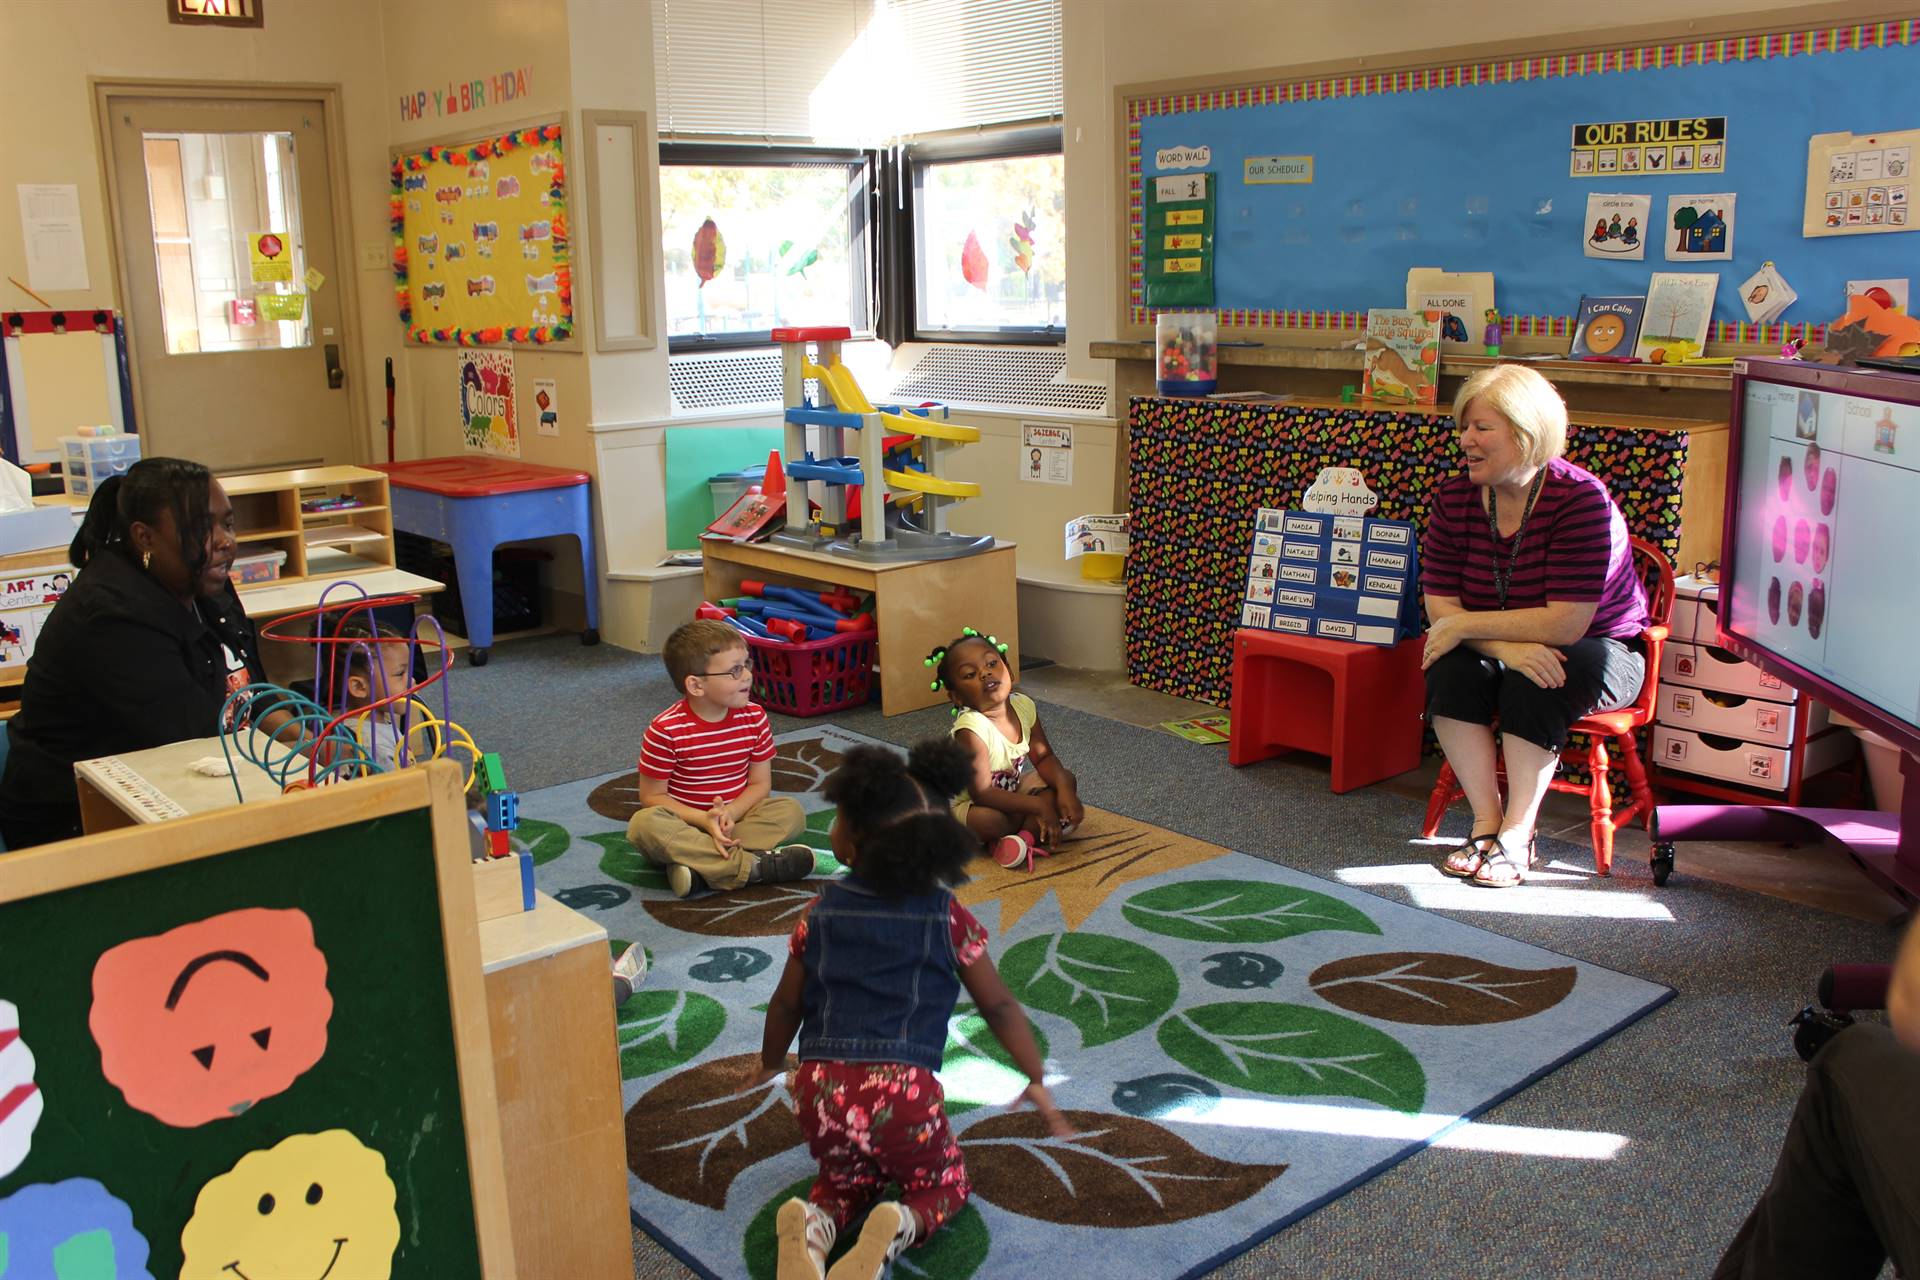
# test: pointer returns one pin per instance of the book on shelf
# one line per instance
(752, 516)
(1402, 355)
(1606, 325)
(1679, 313)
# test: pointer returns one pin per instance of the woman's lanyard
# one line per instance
(1503, 573)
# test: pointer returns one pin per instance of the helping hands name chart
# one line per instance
(1332, 576)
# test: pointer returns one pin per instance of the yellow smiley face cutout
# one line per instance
(316, 1206)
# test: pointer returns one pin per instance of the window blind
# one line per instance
(864, 72)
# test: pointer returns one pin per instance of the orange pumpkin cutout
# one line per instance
(203, 1021)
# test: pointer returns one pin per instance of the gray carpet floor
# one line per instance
(1699, 1091)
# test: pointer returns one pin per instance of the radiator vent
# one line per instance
(998, 377)
(724, 381)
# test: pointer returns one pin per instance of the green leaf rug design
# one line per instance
(662, 1029)
(1294, 1051)
(1240, 911)
(1108, 987)
(974, 1070)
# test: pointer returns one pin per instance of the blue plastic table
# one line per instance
(475, 503)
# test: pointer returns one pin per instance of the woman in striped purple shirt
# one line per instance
(1534, 611)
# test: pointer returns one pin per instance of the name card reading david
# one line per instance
(1340, 491)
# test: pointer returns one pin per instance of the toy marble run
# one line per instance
(334, 743)
(890, 438)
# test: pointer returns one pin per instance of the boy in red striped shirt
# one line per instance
(706, 775)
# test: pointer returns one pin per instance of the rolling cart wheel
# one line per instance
(1662, 861)
(590, 637)
(477, 657)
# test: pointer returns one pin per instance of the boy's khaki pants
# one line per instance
(664, 838)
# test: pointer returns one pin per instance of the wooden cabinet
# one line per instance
(329, 522)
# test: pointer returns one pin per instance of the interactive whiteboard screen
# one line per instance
(1824, 534)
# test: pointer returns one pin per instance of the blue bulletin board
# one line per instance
(1467, 168)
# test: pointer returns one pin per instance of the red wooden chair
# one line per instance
(1621, 726)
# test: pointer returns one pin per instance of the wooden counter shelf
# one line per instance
(1641, 397)
(1713, 378)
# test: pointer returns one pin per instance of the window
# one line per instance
(989, 239)
(227, 240)
(755, 239)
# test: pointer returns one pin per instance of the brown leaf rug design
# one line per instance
(1234, 1042)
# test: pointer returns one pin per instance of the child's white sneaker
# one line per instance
(805, 1234)
(629, 971)
(889, 1229)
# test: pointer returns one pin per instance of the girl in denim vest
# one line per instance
(873, 971)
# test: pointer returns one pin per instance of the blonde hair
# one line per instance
(1527, 401)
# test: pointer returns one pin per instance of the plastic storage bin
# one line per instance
(813, 677)
(1187, 352)
(88, 460)
(727, 487)
(258, 566)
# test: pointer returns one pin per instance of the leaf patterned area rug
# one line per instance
(1236, 1043)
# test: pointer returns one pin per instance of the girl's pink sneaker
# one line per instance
(1011, 852)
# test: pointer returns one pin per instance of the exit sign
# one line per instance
(217, 13)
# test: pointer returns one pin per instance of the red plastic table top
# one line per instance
(478, 476)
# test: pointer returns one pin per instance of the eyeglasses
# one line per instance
(736, 672)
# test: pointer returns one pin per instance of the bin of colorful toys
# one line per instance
(812, 677)
(1188, 352)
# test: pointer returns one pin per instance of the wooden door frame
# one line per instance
(104, 90)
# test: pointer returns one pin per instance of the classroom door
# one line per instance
(224, 220)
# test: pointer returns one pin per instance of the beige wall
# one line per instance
(1116, 43)
(428, 44)
(54, 47)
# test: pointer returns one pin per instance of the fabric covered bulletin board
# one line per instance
(480, 241)
(1201, 470)
(1386, 189)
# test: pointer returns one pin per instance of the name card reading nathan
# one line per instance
(1341, 577)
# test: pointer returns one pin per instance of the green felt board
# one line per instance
(697, 454)
(388, 1076)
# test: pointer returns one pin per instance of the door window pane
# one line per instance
(754, 247)
(990, 244)
(228, 241)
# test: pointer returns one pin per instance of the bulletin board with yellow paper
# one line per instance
(480, 241)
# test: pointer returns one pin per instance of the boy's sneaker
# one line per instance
(805, 1234)
(629, 971)
(788, 862)
(684, 880)
(889, 1229)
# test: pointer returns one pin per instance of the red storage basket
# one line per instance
(812, 677)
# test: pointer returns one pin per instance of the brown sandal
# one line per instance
(1475, 848)
(1500, 856)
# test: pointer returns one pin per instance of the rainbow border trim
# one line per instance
(1872, 35)
(493, 335)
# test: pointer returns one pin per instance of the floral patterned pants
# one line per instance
(871, 1123)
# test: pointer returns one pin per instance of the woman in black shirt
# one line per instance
(142, 650)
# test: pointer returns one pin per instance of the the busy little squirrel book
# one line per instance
(1403, 355)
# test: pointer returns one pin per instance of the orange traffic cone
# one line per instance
(775, 483)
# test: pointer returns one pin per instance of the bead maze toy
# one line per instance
(334, 743)
(907, 460)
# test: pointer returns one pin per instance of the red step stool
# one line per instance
(1360, 704)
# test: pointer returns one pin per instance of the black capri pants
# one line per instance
(1603, 674)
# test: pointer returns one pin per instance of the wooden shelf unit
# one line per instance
(269, 517)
